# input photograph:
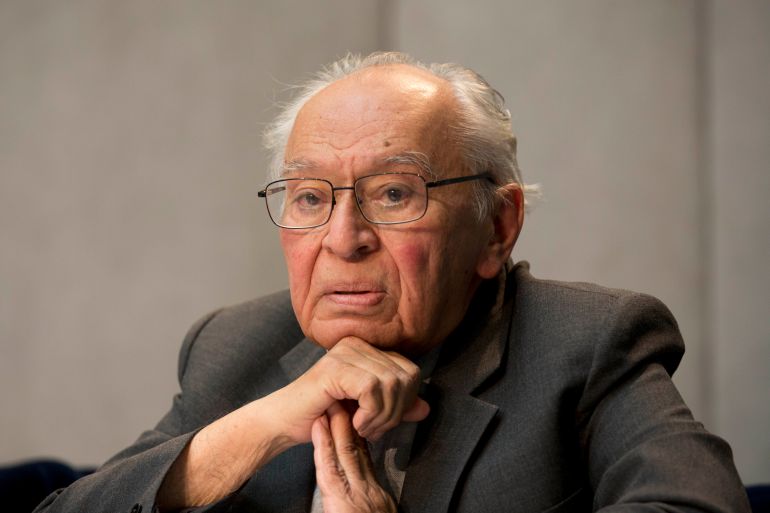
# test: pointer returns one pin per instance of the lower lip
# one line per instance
(357, 299)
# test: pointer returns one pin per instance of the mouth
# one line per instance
(356, 297)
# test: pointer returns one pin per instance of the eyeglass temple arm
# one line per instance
(265, 192)
(448, 181)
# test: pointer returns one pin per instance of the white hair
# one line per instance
(483, 125)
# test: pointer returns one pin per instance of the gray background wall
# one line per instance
(130, 157)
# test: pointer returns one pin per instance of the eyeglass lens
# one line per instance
(384, 198)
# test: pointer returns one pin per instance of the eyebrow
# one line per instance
(297, 165)
(414, 158)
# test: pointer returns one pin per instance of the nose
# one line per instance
(349, 235)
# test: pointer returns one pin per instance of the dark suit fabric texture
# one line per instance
(558, 400)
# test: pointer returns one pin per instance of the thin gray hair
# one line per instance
(483, 125)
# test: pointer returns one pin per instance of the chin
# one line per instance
(376, 336)
(380, 336)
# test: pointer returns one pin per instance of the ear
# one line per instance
(507, 221)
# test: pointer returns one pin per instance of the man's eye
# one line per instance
(394, 195)
(308, 199)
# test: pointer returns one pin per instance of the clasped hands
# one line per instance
(379, 389)
(354, 391)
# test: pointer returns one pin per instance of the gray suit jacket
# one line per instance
(560, 401)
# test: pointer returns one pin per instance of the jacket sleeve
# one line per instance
(643, 449)
(130, 480)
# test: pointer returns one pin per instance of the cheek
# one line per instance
(412, 257)
(414, 260)
(436, 267)
(300, 257)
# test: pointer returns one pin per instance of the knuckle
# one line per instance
(328, 458)
(349, 447)
(370, 382)
(413, 371)
(413, 379)
(329, 461)
(390, 383)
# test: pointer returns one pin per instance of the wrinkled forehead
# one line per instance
(373, 115)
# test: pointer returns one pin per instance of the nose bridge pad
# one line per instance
(360, 206)
(356, 199)
(351, 235)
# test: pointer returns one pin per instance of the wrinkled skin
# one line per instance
(399, 287)
(344, 472)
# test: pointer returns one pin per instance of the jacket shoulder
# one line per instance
(239, 340)
(580, 321)
(579, 303)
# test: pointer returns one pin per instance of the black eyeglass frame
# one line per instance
(428, 185)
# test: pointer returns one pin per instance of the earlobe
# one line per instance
(506, 222)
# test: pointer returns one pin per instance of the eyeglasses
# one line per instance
(386, 198)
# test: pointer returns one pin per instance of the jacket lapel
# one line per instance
(443, 446)
(447, 439)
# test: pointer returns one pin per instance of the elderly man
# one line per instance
(411, 366)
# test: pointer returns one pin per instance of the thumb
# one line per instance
(417, 412)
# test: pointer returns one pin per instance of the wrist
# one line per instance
(268, 431)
